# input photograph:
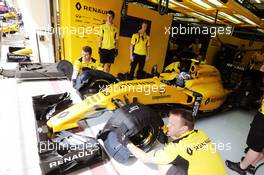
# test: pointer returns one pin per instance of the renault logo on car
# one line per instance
(78, 6)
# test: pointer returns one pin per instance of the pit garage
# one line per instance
(128, 86)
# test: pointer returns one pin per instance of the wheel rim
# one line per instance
(145, 138)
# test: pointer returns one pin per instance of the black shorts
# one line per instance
(255, 139)
(107, 56)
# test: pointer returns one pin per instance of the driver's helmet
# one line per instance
(184, 76)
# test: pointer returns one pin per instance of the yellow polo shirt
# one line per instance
(140, 43)
(80, 63)
(194, 153)
(109, 33)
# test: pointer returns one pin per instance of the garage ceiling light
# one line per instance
(205, 18)
(186, 19)
(261, 30)
(216, 2)
(258, 1)
(203, 4)
(229, 17)
(179, 4)
(178, 15)
(245, 19)
(171, 5)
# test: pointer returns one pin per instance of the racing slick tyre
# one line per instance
(142, 126)
(65, 67)
(93, 87)
(146, 138)
(92, 81)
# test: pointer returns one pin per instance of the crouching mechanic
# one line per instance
(81, 65)
(190, 153)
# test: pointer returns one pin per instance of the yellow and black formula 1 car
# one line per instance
(6, 28)
(135, 106)
(19, 54)
(190, 84)
(8, 15)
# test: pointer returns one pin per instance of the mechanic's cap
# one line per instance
(115, 148)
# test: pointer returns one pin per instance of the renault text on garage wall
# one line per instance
(89, 8)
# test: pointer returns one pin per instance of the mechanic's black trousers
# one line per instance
(140, 61)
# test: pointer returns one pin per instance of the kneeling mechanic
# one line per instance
(190, 153)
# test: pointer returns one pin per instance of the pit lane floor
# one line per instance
(18, 146)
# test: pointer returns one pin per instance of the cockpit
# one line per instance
(184, 71)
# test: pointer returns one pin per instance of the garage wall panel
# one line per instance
(80, 21)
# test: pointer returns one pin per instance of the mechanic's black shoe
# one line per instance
(250, 169)
(235, 167)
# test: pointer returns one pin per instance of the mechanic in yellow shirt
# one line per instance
(139, 50)
(255, 142)
(86, 62)
(107, 42)
(190, 153)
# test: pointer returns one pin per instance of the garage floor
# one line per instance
(18, 148)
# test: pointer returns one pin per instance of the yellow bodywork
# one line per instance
(205, 81)
(12, 28)
(8, 15)
(25, 51)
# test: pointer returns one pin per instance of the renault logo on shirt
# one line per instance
(78, 6)
(189, 151)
